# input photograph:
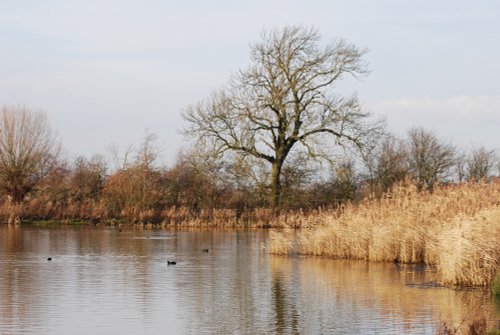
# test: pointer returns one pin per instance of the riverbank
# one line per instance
(171, 217)
(455, 229)
(118, 276)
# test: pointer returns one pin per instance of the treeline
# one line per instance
(276, 137)
(200, 187)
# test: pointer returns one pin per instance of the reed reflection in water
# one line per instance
(102, 281)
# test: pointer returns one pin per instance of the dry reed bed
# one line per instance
(456, 229)
(255, 218)
(44, 209)
(96, 212)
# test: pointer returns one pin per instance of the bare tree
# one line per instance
(285, 98)
(121, 161)
(387, 163)
(28, 150)
(148, 152)
(344, 182)
(430, 160)
(137, 184)
(198, 181)
(88, 177)
(461, 165)
(480, 164)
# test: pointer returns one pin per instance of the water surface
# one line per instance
(103, 281)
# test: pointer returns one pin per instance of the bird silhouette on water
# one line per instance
(204, 250)
(49, 259)
(171, 262)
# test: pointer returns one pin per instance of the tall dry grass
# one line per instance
(220, 217)
(42, 208)
(455, 229)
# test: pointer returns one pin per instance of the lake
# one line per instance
(105, 281)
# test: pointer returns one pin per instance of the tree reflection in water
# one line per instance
(103, 281)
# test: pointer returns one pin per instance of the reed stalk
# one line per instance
(455, 229)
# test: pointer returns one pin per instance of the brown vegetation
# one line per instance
(28, 150)
(455, 229)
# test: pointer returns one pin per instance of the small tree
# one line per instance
(198, 181)
(88, 177)
(387, 164)
(138, 184)
(28, 150)
(285, 100)
(345, 183)
(480, 164)
(297, 175)
(429, 159)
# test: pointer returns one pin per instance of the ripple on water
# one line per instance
(102, 282)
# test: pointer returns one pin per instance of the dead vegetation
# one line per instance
(455, 229)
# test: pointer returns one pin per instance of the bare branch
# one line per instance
(286, 97)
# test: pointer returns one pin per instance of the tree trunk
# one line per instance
(17, 194)
(276, 184)
(17, 188)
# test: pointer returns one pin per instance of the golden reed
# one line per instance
(455, 229)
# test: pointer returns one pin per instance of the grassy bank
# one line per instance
(456, 229)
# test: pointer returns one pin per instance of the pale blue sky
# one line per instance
(106, 70)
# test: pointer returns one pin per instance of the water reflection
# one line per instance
(102, 281)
